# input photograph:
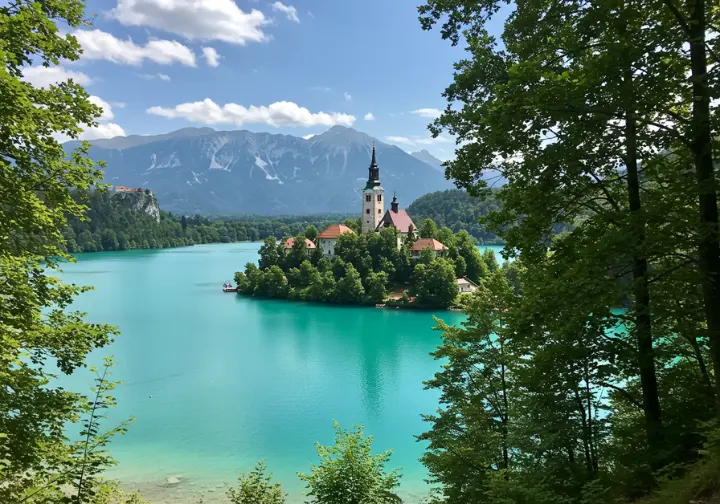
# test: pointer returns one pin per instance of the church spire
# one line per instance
(373, 171)
(394, 205)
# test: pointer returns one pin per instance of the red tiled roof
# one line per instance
(430, 243)
(335, 230)
(290, 241)
(400, 220)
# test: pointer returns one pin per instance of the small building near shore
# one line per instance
(309, 245)
(328, 238)
(427, 243)
(466, 285)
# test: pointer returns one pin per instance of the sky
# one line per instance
(293, 67)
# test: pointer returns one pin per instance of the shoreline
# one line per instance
(183, 489)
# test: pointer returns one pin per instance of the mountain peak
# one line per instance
(428, 158)
(342, 135)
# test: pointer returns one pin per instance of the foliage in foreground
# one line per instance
(349, 473)
(40, 337)
(255, 487)
(593, 382)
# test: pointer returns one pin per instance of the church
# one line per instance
(374, 216)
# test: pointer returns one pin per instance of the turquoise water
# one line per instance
(216, 381)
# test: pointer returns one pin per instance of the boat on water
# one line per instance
(227, 287)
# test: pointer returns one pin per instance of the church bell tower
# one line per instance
(373, 198)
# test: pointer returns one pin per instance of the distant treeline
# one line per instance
(126, 221)
(457, 210)
(134, 221)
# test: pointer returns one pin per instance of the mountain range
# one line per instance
(200, 170)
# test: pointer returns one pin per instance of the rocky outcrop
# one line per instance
(140, 202)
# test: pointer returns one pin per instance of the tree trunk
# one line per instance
(643, 324)
(709, 246)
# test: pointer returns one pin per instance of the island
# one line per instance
(380, 258)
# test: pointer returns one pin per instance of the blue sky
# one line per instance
(294, 67)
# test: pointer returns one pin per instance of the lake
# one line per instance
(217, 381)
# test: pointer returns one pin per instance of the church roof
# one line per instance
(400, 220)
(290, 241)
(430, 243)
(334, 230)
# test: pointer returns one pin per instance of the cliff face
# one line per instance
(140, 202)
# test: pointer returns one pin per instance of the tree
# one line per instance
(253, 275)
(241, 281)
(460, 267)
(297, 253)
(445, 236)
(255, 487)
(428, 229)
(354, 224)
(349, 473)
(183, 222)
(109, 240)
(475, 267)
(435, 284)
(601, 131)
(490, 259)
(269, 255)
(322, 287)
(311, 233)
(272, 283)
(470, 440)
(376, 287)
(40, 335)
(349, 287)
(411, 237)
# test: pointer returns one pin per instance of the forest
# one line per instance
(116, 222)
(457, 210)
(366, 268)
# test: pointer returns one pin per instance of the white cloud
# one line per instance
(161, 76)
(400, 140)
(212, 58)
(195, 19)
(369, 117)
(276, 114)
(43, 77)
(348, 96)
(106, 130)
(288, 10)
(107, 112)
(100, 45)
(311, 14)
(308, 137)
(323, 89)
(430, 113)
(118, 104)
